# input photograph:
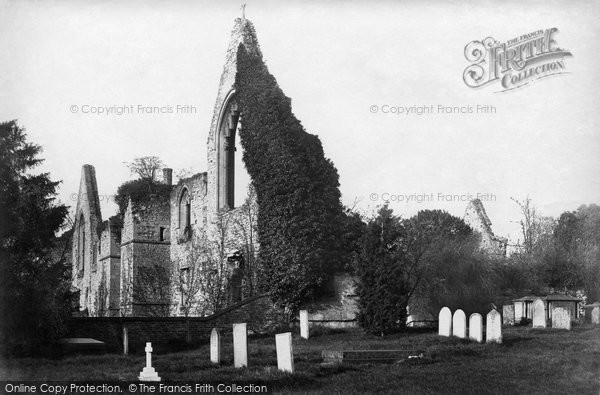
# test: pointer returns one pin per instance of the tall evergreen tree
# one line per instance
(34, 279)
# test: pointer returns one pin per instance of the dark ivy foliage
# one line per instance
(300, 214)
(35, 296)
(139, 191)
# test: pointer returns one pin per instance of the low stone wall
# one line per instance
(339, 310)
(170, 333)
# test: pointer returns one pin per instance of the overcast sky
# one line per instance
(335, 61)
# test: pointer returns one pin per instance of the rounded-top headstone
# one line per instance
(459, 324)
(215, 346)
(493, 327)
(476, 327)
(445, 322)
(539, 314)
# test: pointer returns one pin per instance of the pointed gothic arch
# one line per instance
(81, 245)
(229, 118)
(184, 209)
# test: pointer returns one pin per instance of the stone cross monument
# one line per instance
(148, 373)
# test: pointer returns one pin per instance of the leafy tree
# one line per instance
(201, 276)
(394, 261)
(457, 275)
(146, 168)
(300, 213)
(244, 231)
(34, 278)
(577, 264)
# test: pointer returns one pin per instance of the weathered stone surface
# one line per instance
(337, 310)
(459, 324)
(493, 327)
(285, 352)
(125, 341)
(240, 346)
(215, 346)
(508, 314)
(596, 315)
(445, 322)
(592, 313)
(148, 373)
(478, 220)
(304, 330)
(561, 318)
(539, 313)
(519, 312)
(476, 327)
(368, 356)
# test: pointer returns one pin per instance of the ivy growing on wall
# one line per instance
(300, 214)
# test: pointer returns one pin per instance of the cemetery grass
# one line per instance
(529, 361)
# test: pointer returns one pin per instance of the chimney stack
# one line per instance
(168, 176)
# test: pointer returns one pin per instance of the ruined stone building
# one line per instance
(477, 219)
(115, 259)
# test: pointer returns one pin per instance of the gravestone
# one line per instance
(561, 318)
(595, 315)
(459, 324)
(215, 346)
(476, 327)
(493, 327)
(304, 324)
(125, 341)
(539, 313)
(445, 322)
(240, 346)
(148, 373)
(519, 313)
(285, 352)
(508, 314)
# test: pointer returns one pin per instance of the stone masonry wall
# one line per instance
(258, 312)
(87, 218)
(142, 248)
(476, 217)
(109, 262)
(243, 32)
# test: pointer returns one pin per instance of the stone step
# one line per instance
(368, 356)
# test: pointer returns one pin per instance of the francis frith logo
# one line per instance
(515, 63)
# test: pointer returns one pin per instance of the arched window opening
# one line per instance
(227, 148)
(184, 210)
(81, 244)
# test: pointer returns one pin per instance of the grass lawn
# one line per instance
(529, 361)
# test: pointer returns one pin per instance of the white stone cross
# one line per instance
(148, 373)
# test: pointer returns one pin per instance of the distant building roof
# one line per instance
(559, 297)
(528, 298)
(552, 297)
